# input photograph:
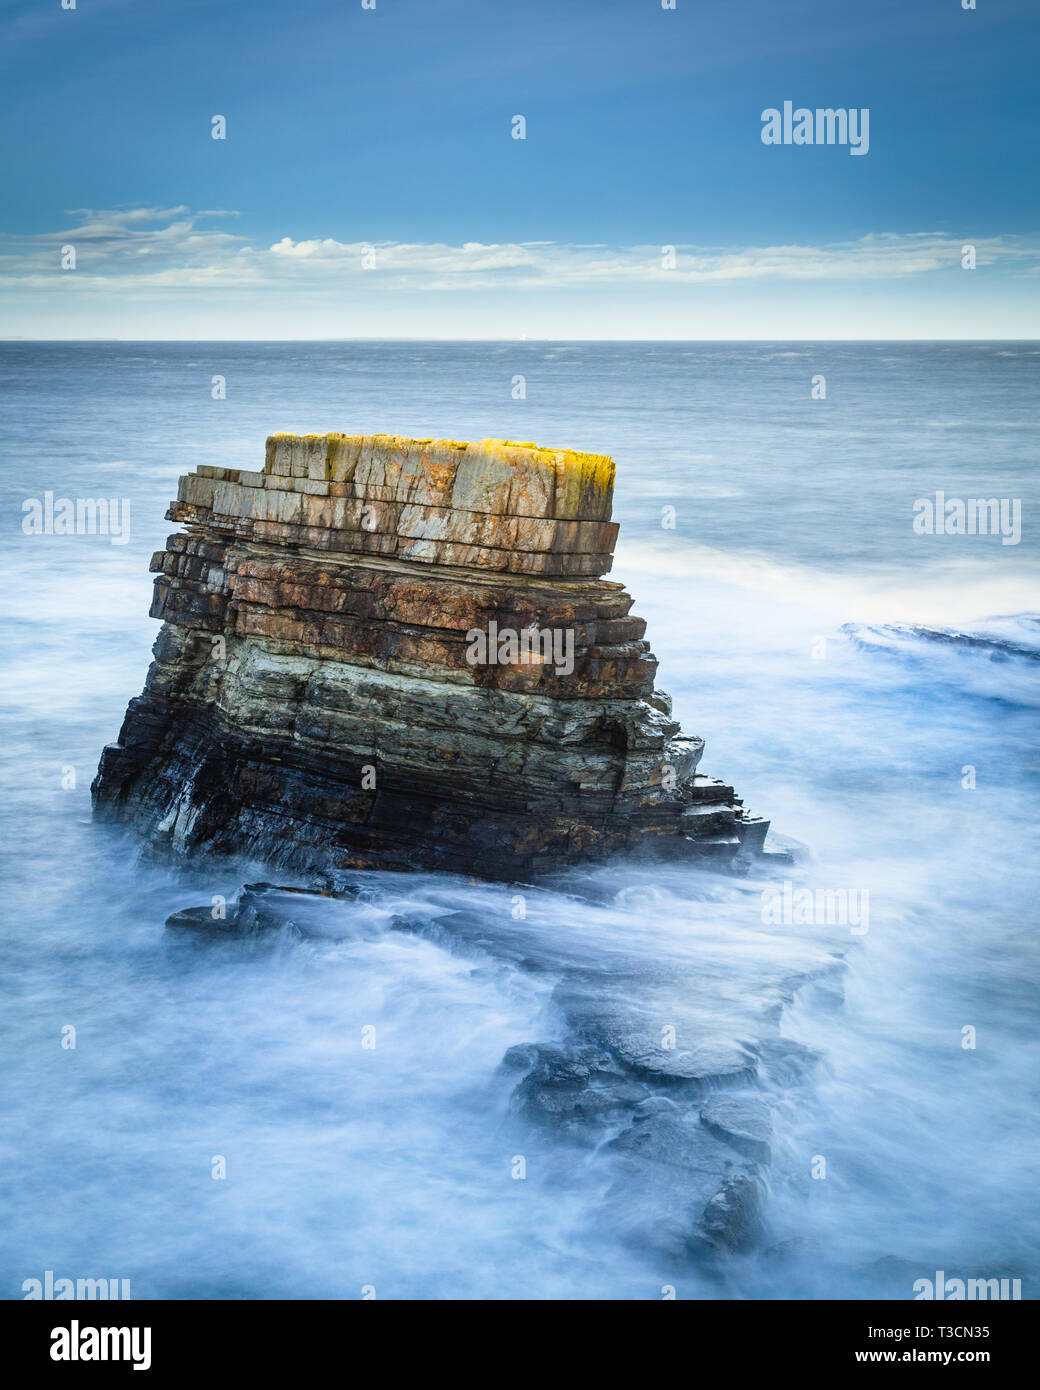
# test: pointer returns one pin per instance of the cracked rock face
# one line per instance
(392, 653)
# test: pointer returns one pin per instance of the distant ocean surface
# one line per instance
(846, 674)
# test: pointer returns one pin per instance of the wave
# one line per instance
(990, 644)
(954, 594)
(997, 661)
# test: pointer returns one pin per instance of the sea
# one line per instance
(212, 1123)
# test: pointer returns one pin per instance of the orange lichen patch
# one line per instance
(439, 460)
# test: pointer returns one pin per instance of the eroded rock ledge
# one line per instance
(394, 653)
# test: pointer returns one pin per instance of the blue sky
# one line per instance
(391, 129)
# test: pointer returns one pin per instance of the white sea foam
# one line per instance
(964, 591)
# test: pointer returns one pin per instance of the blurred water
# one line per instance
(391, 1167)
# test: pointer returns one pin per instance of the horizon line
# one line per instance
(422, 339)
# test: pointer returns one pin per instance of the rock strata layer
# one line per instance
(394, 653)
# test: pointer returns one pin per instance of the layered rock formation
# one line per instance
(394, 653)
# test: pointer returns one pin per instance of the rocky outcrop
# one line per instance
(394, 653)
(660, 1071)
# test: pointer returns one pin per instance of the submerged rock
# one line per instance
(658, 1071)
(744, 1124)
(392, 653)
(694, 1193)
(733, 1217)
(564, 1087)
(263, 907)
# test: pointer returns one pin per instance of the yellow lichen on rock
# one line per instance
(584, 485)
(498, 476)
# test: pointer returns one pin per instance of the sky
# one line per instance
(370, 183)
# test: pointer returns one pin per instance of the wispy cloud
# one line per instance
(156, 249)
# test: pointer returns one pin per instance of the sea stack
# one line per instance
(400, 653)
